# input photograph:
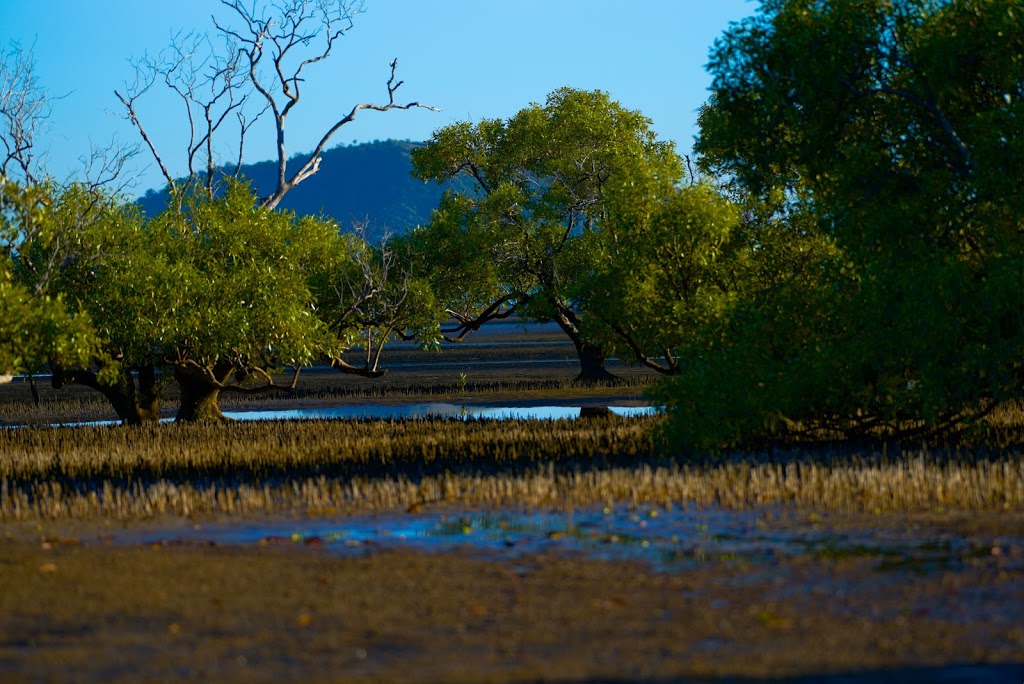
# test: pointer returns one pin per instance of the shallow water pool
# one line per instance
(668, 538)
(413, 411)
(443, 410)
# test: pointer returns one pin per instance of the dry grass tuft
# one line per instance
(348, 466)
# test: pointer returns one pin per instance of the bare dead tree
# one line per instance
(262, 57)
(24, 110)
(298, 25)
(211, 87)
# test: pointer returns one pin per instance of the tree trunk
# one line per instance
(200, 398)
(591, 361)
(122, 395)
(591, 357)
(596, 413)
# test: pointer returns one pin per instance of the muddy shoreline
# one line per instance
(73, 600)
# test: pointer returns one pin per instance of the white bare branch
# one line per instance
(24, 110)
(143, 82)
(264, 53)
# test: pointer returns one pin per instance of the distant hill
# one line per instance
(369, 181)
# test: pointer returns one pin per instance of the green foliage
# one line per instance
(367, 296)
(891, 129)
(545, 182)
(35, 325)
(667, 267)
(233, 282)
(221, 293)
(108, 274)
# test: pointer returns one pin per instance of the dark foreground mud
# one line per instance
(73, 611)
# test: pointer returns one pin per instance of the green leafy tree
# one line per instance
(107, 262)
(666, 267)
(892, 130)
(524, 239)
(367, 296)
(239, 306)
(35, 326)
(222, 295)
(216, 293)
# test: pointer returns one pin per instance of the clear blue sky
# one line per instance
(472, 58)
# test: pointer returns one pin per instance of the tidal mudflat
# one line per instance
(498, 550)
(748, 596)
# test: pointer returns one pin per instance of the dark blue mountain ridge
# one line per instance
(368, 182)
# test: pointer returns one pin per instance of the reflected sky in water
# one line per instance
(669, 538)
(438, 410)
(413, 411)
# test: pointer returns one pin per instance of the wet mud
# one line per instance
(488, 596)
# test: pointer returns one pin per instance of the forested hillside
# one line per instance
(369, 181)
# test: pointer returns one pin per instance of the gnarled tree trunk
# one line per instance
(147, 398)
(200, 393)
(133, 406)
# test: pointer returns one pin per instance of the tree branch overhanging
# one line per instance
(312, 164)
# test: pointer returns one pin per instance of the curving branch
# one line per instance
(269, 384)
(362, 371)
(312, 163)
(670, 365)
(498, 310)
(143, 82)
(217, 377)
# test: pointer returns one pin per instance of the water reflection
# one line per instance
(412, 411)
(445, 410)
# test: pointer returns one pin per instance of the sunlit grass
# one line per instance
(320, 467)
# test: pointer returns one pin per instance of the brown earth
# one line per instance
(294, 613)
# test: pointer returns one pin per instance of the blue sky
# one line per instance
(472, 58)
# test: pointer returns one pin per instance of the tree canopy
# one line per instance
(35, 326)
(892, 129)
(544, 181)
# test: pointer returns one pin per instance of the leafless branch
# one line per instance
(499, 309)
(104, 165)
(24, 109)
(143, 82)
(312, 164)
(244, 124)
